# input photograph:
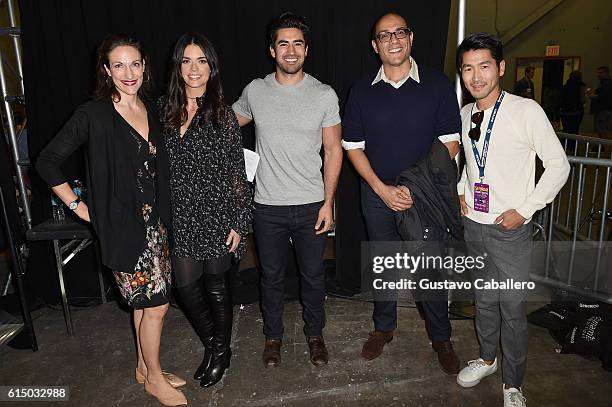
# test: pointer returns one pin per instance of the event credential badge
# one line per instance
(481, 197)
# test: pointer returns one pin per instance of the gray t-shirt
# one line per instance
(288, 131)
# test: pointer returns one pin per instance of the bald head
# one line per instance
(385, 19)
(392, 41)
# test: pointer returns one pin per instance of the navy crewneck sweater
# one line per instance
(399, 125)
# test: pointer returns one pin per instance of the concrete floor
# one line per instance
(98, 364)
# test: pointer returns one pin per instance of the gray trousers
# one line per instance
(508, 256)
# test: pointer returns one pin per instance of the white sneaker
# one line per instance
(513, 397)
(475, 371)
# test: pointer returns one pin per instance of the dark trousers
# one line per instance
(380, 223)
(273, 227)
(571, 123)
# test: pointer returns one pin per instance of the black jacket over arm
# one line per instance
(436, 212)
(114, 205)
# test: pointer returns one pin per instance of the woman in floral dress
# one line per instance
(122, 137)
(148, 283)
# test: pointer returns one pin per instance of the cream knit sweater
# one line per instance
(521, 130)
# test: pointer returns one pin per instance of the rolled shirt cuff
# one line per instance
(352, 145)
(446, 138)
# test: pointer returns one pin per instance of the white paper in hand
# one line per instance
(251, 160)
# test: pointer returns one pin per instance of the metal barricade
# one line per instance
(580, 218)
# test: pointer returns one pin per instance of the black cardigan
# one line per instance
(114, 205)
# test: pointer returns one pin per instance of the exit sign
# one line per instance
(552, 51)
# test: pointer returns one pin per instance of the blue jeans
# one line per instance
(273, 227)
(380, 223)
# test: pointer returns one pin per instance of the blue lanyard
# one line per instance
(481, 161)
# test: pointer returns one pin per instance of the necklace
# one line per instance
(195, 97)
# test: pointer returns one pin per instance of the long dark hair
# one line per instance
(174, 111)
(105, 88)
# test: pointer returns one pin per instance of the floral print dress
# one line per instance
(148, 285)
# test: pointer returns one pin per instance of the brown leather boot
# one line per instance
(449, 362)
(318, 351)
(271, 355)
(373, 347)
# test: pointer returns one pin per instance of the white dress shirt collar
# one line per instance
(414, 74)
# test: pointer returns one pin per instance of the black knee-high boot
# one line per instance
(219, 298)
(193, 298)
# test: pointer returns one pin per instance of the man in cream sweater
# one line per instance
(502, 133)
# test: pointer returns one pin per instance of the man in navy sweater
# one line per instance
(391, 119)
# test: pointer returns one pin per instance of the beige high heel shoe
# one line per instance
(174, 380)
(176, 400)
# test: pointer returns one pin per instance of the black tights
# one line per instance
(204, 292)
(187, 270)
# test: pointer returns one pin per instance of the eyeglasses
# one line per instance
(477, 120)
(399, 34)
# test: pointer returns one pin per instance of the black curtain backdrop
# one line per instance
(59, 43)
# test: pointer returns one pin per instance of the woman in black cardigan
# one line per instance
(210, 197)
(122, 137)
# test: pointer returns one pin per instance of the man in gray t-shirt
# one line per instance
(288, 122)
(294, 116)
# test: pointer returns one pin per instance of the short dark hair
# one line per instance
(604, 68)
(106, 89)
(529, 68)
(288, 20)
(478, 41)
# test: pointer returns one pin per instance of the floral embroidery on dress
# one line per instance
(146, 211)
(152, 271)
(148, 284)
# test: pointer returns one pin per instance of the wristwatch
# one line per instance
(74, 204)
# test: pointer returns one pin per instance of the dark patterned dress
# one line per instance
(148, 285)
(209, 190)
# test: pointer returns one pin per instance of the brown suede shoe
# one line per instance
(449, 362)
(373, 347)
(318, 351)
(271, 355)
